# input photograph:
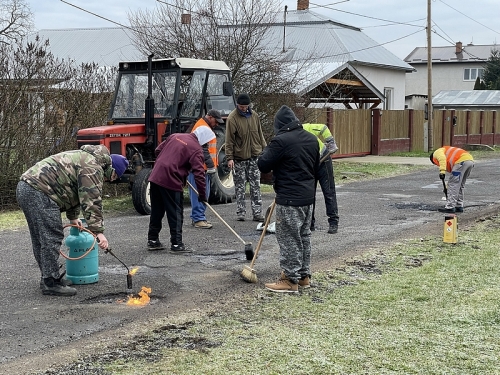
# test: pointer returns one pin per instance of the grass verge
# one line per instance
(419, 307)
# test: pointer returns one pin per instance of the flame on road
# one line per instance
(143, 298)
(133, 271)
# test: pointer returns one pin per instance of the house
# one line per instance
(453, 68)
(346, 67)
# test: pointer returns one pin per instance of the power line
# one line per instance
(362, 15)
(472, 19)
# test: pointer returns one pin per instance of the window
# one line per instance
(389, 94)
(471, 74)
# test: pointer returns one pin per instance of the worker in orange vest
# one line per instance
(210, 120)
(459, 164)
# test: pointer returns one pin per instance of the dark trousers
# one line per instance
(170, 202)
(327, 182)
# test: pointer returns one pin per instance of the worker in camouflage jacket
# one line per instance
(69, 182)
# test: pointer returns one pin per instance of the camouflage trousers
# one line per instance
(243, 172)
(293, 234)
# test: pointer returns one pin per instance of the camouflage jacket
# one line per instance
(73, 179)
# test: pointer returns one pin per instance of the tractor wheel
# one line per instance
(221, 183)
(140, 192)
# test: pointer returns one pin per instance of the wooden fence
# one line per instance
(377, 132)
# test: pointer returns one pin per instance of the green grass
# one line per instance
(420, 307)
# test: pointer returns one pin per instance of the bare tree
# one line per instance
(43, 102)
(236, 32)
(16, 20)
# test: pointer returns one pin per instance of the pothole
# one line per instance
(119, 298)
(415, 206)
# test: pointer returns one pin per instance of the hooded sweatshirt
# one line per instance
(73, 179)
(293, 157)
(177, 155)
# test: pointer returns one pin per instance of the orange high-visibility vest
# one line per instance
(453, 155)
(212, 145)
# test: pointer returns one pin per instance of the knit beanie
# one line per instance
(243, 99)
(284, 117)
(119, 164)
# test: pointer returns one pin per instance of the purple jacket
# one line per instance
(179, 154)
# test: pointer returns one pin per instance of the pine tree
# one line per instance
(478, 84)
(491, 74)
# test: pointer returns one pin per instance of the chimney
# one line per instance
(458, 48)
(186, 19)
(302, 4)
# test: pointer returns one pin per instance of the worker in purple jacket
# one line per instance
(178, 155)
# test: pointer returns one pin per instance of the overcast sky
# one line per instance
(388, 22)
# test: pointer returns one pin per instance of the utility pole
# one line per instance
(430, 138)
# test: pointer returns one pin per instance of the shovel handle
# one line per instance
(445, 189)
(266, 223)
(218, 216)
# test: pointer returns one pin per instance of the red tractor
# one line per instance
(156, 98)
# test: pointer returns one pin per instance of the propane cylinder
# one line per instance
(85, 270)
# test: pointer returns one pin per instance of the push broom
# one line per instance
(248, 246)
(248, 273)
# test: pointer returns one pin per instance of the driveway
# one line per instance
(37, 330)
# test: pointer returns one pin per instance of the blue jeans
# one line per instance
(198, 208)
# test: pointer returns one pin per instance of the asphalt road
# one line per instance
(37, 330)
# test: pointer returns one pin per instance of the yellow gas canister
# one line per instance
(450, 228)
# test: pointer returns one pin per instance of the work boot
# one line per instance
(447, 210)
(333, 228)
(258, 218)
(155, 245)
(240, 217)
(180, 249)
(459, 209)
(64, 281)
(283, 285)
(203, 224)
(54, 287)
(305, 283)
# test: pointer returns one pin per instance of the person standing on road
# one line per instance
(459, 164)
(210, 121)
(69, 182)
(328, 147)
(176, 156)
(293, 156)
(244, 143)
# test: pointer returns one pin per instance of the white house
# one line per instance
(453, 68)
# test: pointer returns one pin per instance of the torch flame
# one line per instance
(143, 298)
(133, 271)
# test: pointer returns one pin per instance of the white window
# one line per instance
(389, 95)
(471, 74)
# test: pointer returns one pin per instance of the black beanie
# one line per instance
(243, 99)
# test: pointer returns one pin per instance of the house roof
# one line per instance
(325, 40)
(473, 98)
(104, 46)
(448, 54)
(308, 34)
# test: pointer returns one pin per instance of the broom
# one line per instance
(248, 273)
(248, 246)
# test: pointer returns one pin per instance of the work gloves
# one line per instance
(211, 170)
(441, 176)
(202, 199)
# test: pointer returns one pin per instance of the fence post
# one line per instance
(467, 127)
(494, 126)
(452, 129)
(410, 129)
(329, 119)
(443, 127)
(481, 127)
(376, 131)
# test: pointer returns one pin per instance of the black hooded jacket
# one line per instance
(293, 156)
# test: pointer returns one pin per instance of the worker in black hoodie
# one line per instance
(293, 157)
